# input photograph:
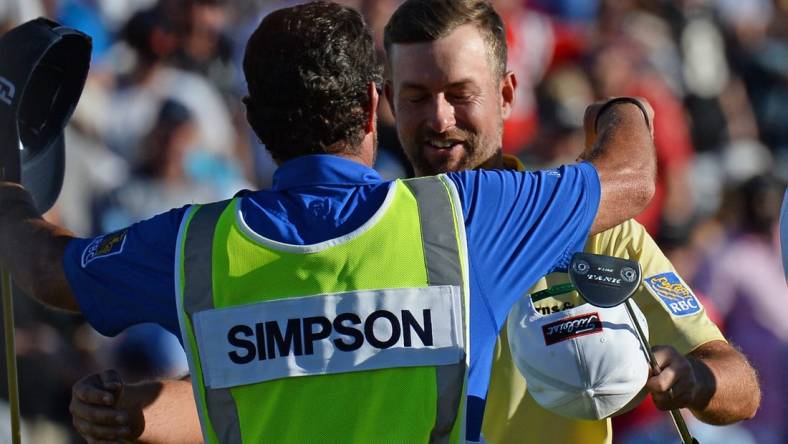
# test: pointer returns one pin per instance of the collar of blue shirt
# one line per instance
(322, 169)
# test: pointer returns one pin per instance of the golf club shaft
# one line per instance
(678, 420)
(10, 355)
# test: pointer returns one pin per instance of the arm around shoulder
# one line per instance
(620, 145)
(170, 412)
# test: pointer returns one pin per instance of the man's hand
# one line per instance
(100, 411)
(714, 381)
(591, 120)
(105, 410)
(675, 386)
(620, 145)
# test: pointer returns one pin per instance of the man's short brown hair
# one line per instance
(421, 21)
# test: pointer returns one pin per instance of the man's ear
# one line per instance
(508, 87)
(388, 90)
(374, 98)
(250, 111)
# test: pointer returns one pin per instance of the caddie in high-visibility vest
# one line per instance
(269, 326)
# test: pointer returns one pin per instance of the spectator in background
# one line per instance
(569, 10)
(135, 101)
(544, 51)
(86, 16)
(724, 127)
(172, 171)
(204, 46)
(13, 12)
(746, 282)
(536, 42)
(560, 98)
(701, 71)
(620, 69)
(758, 51)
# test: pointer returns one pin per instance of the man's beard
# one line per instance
(476, 151)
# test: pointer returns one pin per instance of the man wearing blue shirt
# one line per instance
(313, 94)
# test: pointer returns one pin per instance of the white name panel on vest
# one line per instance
(331, 333)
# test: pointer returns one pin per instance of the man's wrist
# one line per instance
(704, 384)
(618, 101)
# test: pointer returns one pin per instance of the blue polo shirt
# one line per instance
(520, 226)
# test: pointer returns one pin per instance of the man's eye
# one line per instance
(460, 97)
(416, 98)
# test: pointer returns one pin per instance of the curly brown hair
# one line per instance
(308, 70)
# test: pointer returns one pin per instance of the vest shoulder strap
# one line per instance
(443, 234)
(197, 254)
(440, 228)
(198, 296)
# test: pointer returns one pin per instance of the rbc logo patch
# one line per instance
(103, 246)
(674, 294)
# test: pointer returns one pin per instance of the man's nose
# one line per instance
(442, 115)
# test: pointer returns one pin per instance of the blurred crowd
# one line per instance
(161, 125)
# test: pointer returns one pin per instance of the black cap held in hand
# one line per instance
(43, 68)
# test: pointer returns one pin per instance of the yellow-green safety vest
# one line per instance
(358, 339)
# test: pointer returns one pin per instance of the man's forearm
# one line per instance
(728, 386)
(169, 410)
(624, 155)
(32, 249)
